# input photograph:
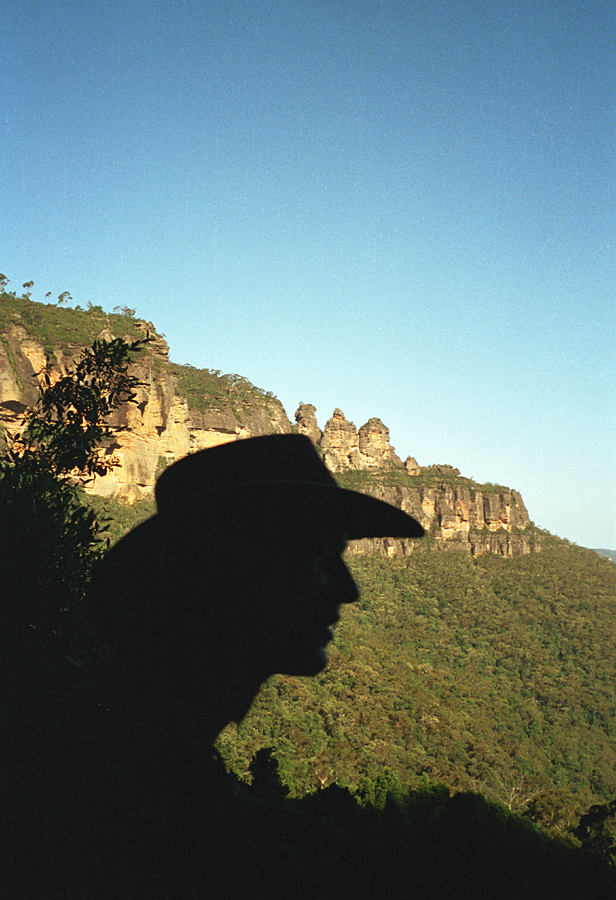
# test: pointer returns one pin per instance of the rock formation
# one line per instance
(306, 422)
(457, 513)
(412, 466)
(340, 444)
(345, 448)
(375, 451)
(159, 428)
(179, 410)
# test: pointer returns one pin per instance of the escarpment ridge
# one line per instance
(456, 512)
(180, 409)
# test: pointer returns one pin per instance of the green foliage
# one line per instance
(555, 809)
(494, 675)
(209, 389)
(116, 517)
(63, 328)
(69, 422)
(597, 831)
(431, 477)
(49, 544)
(124, 311)
(50, 540)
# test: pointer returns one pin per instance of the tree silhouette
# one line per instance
(69, 422)
(50, 540)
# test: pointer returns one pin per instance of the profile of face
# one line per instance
(253, 590)
(239, 576)
(302, 593)
(280, 596)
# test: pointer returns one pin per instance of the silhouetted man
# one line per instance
(238, 576)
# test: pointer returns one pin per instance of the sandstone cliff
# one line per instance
(180, 409)
(457, 516)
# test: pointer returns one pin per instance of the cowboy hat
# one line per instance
(276, 466)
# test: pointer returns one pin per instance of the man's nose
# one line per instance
(349, 591)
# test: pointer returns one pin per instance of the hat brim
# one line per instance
(284, 479)
(308, 504)
(365, 516)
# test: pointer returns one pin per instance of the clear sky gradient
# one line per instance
(402, 209)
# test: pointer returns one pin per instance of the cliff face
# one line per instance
(160, 427)
(179, 410)
(457, 517)
(163, 426)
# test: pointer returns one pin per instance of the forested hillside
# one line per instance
(491, 675)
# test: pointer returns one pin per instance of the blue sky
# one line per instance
(405, 210)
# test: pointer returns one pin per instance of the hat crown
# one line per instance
(272, 459)
(278, 465)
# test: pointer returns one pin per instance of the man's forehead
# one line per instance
(327, 538)
(257, 521)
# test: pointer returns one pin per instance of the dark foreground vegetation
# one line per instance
(257, 842)
(460, 744)
(481, 690)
